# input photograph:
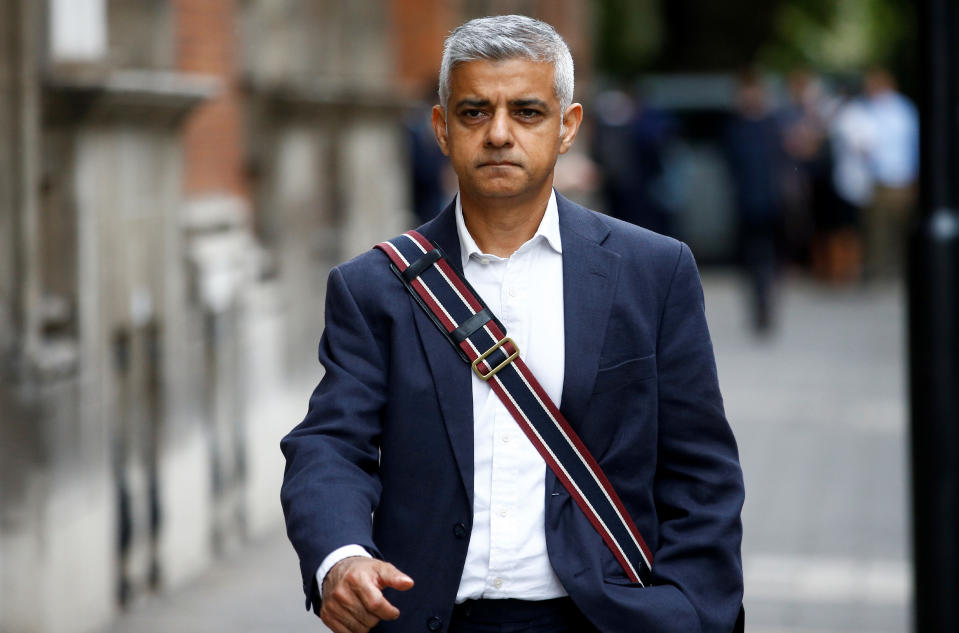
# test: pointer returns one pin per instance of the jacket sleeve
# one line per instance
(698, 487)
(331, 484)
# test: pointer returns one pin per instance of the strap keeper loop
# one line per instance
(469, 327)
(420, 265)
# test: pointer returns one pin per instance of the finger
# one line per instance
(376, 604)
(332, 622)
(342, 621)
(351, 597)
(344, 605)
(390, 576)
(361, 614)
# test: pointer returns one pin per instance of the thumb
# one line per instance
(390, 576)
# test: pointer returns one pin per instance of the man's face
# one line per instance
(504, 130)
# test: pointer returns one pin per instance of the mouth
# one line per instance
(498, 163)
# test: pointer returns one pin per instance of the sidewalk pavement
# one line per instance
(819, 411)
(254, 590)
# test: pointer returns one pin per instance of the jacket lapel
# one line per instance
(590, 272)
(450, 374)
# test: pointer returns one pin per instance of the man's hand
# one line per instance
(353, 599)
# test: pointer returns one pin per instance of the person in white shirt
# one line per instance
(412, 497)
(852, 135)
(894, 163)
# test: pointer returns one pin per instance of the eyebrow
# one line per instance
(524, 103)
(516, 103)
(475, 103)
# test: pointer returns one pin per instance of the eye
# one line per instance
(528, 113)
(472, 114)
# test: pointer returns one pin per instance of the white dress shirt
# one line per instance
(895, 152)
(507, 550)
(507, 556)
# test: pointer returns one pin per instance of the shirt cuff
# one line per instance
(333, 558)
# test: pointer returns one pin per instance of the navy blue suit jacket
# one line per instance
(384, 457)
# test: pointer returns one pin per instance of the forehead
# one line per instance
(508, 78)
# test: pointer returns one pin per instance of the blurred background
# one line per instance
(178, 176)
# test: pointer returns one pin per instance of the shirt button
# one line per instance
(434, 623)
(498, 583)
(513, 292)
(484, 260)
(503, 512)
(506, 439)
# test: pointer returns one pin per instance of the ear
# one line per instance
(572, 119)
(439, 128)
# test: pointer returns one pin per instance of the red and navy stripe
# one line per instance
(451, 302)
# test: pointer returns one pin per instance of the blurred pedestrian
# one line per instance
(428, 166)
(894, 159)
(803, 133)
(852, 135)
(753, 147)
(629, 144)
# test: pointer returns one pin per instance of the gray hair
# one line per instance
(504, 37)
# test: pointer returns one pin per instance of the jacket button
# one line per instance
(434, 623)
(459, 530)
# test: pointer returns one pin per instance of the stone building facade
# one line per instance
(176, 179)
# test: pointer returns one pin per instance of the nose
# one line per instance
(498, 133)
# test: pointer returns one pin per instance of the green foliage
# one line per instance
(628, 35)
(846, 35)
(632, 36)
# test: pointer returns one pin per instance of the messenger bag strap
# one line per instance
(481, 340)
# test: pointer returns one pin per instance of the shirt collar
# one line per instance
(548, 230)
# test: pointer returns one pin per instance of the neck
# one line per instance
(500, 228)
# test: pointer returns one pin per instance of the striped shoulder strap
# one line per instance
(481, 340)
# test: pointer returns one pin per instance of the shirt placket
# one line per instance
(506, 438)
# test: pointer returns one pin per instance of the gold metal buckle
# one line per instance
(496, 346)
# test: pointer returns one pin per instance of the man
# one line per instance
(411, 496)
(752, 144)
(894, 162)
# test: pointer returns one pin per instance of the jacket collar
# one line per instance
(585, 224)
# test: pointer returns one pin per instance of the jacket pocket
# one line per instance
(622, 581)
(625, 372)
